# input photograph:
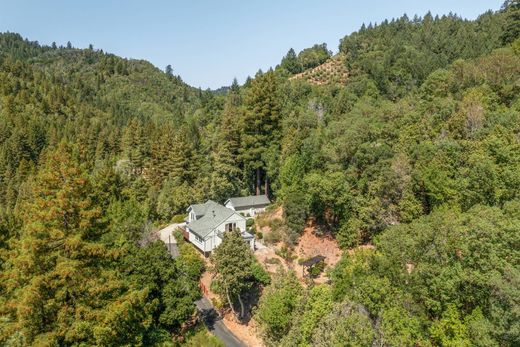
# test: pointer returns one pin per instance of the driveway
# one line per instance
(215, 325)
(166, 236)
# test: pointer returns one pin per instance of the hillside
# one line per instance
(333, 71)
(409, 142)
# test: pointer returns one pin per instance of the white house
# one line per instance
(248, 206)
(207, 223)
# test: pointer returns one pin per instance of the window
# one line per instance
(198, 238)
(231, 226)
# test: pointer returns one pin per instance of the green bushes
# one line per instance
(179, 218)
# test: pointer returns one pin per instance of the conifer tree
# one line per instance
(134, 146)
(59, 291)
(225, 176)
(290, 62)
(261, 132)
(162, 162)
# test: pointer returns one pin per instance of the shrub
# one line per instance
(259, 235)
(260, 274)
(204, 339)
(285, 253)
(317, 269)
(273, 261)
(178, 218)
(273, 237)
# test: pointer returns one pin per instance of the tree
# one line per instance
(511, 30)
(232, 265)
(278, 305)
(261, 129)
(226, 173)
(171, 284)
(315, 304)
(347, 325)
(134, 146)
(295, 210)
(450, 330)
(61, 287)
(169, 70)
(314, 56)
(290, 62)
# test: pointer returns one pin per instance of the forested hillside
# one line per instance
(416, 152)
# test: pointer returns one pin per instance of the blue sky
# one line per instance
(210, 42)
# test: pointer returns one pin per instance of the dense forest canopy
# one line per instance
(418, 154)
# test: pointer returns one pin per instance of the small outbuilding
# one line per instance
(248, 206)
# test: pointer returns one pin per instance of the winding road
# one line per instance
(214, 323)
(210, 317)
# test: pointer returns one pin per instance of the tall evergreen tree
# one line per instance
(225, 175)
(261, 127)
(60, 288)
(290, 62)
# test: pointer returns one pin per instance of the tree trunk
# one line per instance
(258, 181)
(230, 303)
(241, 308)
(266, 185)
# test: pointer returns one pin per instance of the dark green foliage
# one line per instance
(277, 305)
(313, 56)
(306, 59)
(172, 284)
(236, 272)
(295, 213)
(418, 153)
(290, 62)
(261, 129)
(400, 54)
(450, 268)
(511, 8)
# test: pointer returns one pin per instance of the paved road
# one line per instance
(214, 323)
(210, 317)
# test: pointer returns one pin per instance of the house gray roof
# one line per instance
(249, 201)
(200, 209)
(212, 214)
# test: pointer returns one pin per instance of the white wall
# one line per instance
(212, 240)
(235, 218)
(200, 245)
